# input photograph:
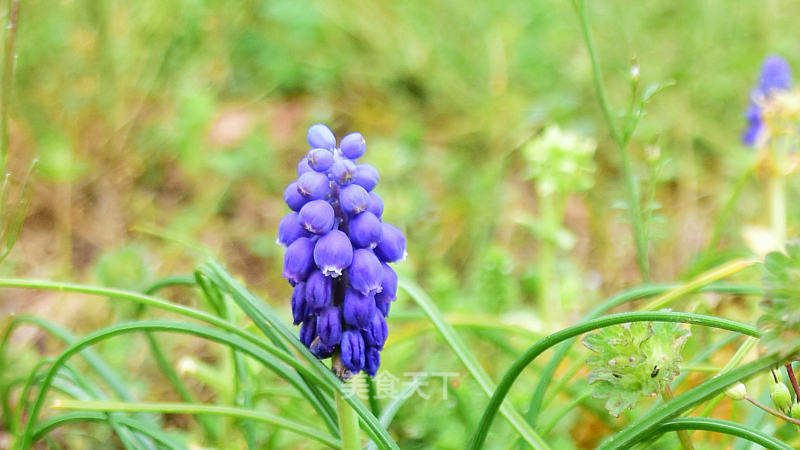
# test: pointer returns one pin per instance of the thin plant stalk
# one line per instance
(8, 80)
(683, 435)
(634, 208)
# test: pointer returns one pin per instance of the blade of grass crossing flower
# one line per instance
(309, 390)
(470, 362)
(576, 330)
(213, 334)
(266, 319)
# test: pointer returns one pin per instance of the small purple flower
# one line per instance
(320, 159)
(293, 198)
(353, 146)
(313, 185)
(290, 229)
(329, 326)
(352, 350)
(303, 166)
(392, 246)
(320, 136)
(367, 176)
(316, 216)
(358, 308)
(376, 333)
(365, 230)
(372, 361)
(375, 205)
(333, 253)
(318, 291)
(353, 199)
(388, 284)
(365, 273)
(299, 305)
(383, 305)
(308, 330)
(343, 171)
(298, 261)
(320, 350)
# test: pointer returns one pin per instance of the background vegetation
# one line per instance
(161, 126)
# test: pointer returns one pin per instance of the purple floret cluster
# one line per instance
(337, 252)
(776, 76)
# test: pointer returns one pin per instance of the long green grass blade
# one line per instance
(91, 416)
(722, 426)
(269, 322)
(470, 362)
(308, 431)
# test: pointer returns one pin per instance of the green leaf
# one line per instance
(634, 360)
(780, 321)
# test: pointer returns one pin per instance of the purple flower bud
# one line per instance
(303, 166)
(377, 331)
(388, 284)
(365, 230)
(357, 308)
(308, 330)
(316, 216)
(366, 176)
(365, 273)
(353, 145)
(320, 350)
(352, 350)
(313, 185)
(372, 361)
(320, 136)
(383, 305)
(333, 253)
(320, 159)
(353, 199)
(298, 261)
(293, 198)
(343, 171)
(329, 326)
(392, 246)
(375, 204)
(318, 291)
(290, 229)
(299, 305)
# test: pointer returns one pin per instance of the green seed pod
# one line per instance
(737, 392)
(780, 395)
(795, 412)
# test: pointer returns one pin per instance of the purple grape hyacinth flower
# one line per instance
(337, 250)
(776, 76)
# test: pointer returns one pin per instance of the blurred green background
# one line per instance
(162, 123)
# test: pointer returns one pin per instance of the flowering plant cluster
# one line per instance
(634, 360)
(337, 250)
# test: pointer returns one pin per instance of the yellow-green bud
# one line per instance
(780, 395)
(737, 392)
(795, 412)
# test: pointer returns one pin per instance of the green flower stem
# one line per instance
(526, 358)
(8, 80)
(683, 435)
(732, 363)
(777, 206)
(634, 208)
(193, 408)
(348, 424)
(550, 306)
